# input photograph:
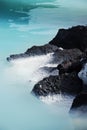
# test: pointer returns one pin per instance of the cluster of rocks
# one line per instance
(72, 59)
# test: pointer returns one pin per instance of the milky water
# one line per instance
(24, 23)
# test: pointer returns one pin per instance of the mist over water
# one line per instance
(24, 23)
(19, 108)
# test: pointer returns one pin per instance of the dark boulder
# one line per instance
(71, 84)
(75, 37)
(67, 55)
(66, 84)
(80, 103)
(71, 66)
(47, 86)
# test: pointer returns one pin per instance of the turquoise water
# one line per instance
(24, 23)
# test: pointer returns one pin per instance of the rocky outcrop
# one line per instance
(34, 51)
(47, 86)
(66, 84)
(41, 50)
(75, 37)
(67, 55)
(71, 84)
(67, 81)
(80, 103)
(71, 66)
(70, 59)
(72, 38)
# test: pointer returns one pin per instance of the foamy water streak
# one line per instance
(58, 99)
(51, 99)
(27, 69)
(83, 74)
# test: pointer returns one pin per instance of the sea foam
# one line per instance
(28, 69)
(83, 74)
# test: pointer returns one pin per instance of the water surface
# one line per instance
(24, 23)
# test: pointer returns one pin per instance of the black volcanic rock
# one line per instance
(17, 56)
(67, 55)
(80, 103)
(71, 84)
(71, 60)
(72, 38)
(66, 84)
(47, 86)
(75, 37)
(41, 50)
(71, 66)
(34, 51)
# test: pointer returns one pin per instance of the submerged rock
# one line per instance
(75, 37)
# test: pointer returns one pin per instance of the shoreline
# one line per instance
(71, 59)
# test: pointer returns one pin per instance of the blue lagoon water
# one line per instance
(24, 23)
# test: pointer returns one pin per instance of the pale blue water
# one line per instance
(24, 23)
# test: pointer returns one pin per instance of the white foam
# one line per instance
(27, 69)
(58, 98)
(60, 48)
(83, 74)
(51, 98)
(51, 65)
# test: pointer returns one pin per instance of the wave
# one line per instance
(29, 69)
(58, 99)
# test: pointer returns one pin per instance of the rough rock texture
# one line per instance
(75, 37)
(67, 55)
(71, 84)
(72, 58)
(71, 66)
(80, 103)
(47, 86)
(66, 84)
(41, 50)
(72, 38)
(33, 51)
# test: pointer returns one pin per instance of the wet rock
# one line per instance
(75, 37)
(69, 66)
(49, 70)
(17, 56)
(47, 86)
(34, 51)
(41, 50)
(66, 84)
(67, 55)
(80, 103)
(71, 84)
